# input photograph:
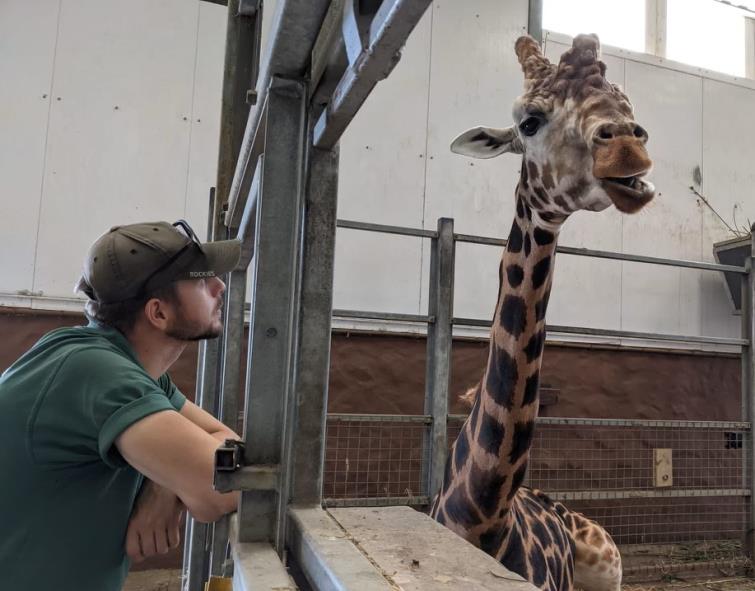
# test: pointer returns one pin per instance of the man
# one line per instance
(101, 453)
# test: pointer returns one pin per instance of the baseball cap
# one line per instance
(128, 262)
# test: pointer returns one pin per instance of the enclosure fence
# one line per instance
(646, 481)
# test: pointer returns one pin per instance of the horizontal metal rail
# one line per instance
(391, 316)
(596, 495)
(377, 501)
(385, 229)
(656, 424)
(349, 417)
(586, 252)
(617, 334)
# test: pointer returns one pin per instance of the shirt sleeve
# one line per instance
(176, 397)
(95, 396)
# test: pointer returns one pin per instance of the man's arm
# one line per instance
(207, 422)
(179, 454)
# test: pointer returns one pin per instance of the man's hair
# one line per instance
(123, 315)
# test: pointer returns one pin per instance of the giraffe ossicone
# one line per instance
(581, 149)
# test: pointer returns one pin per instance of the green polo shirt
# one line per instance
(66, 493)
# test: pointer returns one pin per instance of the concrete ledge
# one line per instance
(328, 558)
(257, 567)
(422, 555)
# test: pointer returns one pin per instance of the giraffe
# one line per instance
(581, 150)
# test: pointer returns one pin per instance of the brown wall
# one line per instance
(385, 374)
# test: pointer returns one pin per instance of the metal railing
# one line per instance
(603, 467)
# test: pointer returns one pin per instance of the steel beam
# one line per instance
(748, 375)
(313, 359)
(275, 306)
(535, 20)
(438, 365)
(390, 29)
(295, 26)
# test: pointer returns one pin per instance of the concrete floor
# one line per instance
(154, 580)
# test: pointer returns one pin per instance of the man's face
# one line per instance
(196, 312)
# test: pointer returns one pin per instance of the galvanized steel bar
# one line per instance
(535, 20)
(654, 424)
(359, 314)
(378, 501)
(438, 365)
(274, 309)
(386, 229)
(748, 371)
(391, 27)
(313, 359)
(295, 26)
(349, 417)
(671, 493)
(617, 334)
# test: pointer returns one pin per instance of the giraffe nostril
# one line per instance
(639, 132)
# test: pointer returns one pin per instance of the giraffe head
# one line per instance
(581, 146)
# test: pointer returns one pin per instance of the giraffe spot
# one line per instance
(515, 273)
(542, 237)
(608, 555)
(534, 173)
(519, 208)
(490, 540)
(538, 565)
(535, 202)
(596, 538)
(527, 245)
(541, 533)
(447, 475)
(531, 389)
(540, 272)
(460, 510)
(514, 557)
(528, 211)
(514, 243)
(547, 177)
(486, 489)
(593, 558)
(549, 216)
(534, 348)
(556, 572)
(440, 517)
(475, 410)
(513, 315)
(542, 306)
(461, 450)
(561, 202)
(517, 479)
(542, 195)
(491, 434)
(522, 440)
(502, 376)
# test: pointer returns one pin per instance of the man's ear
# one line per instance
(487, 142)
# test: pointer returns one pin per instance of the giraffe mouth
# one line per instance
(629, 194)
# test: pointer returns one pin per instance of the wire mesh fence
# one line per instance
(606, 469)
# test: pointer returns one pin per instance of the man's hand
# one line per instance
(154, 524)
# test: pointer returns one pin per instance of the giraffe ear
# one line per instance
(487, 142)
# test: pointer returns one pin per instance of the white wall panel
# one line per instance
(118, 141)
(28, 31)
(205, 120)
(382, 180)
(729, 185)
(664, 299)
(475, 78)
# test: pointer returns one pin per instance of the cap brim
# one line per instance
(222, 256)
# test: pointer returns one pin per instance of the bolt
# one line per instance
(271, 332)
(115, 108)
(251, 97)
(44, 96)
(59, 98)
(185, 118)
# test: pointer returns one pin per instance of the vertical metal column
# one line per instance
(748, 375)
(313, 359)
(196, 558)
(438, 367)
(535, 20)
(275, 306)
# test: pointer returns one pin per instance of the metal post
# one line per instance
(274, 310)
(535, 20)
(313, 360)
(438, 368)
(748, 375)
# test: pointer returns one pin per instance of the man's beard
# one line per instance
(186, 330)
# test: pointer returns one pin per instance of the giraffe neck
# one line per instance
(489, 457)
(507, 406)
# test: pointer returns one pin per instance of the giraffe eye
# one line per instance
(530, 125)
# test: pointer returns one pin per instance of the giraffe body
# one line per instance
(582, 150)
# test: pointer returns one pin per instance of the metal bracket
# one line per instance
(231, 473)
(248, 7)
